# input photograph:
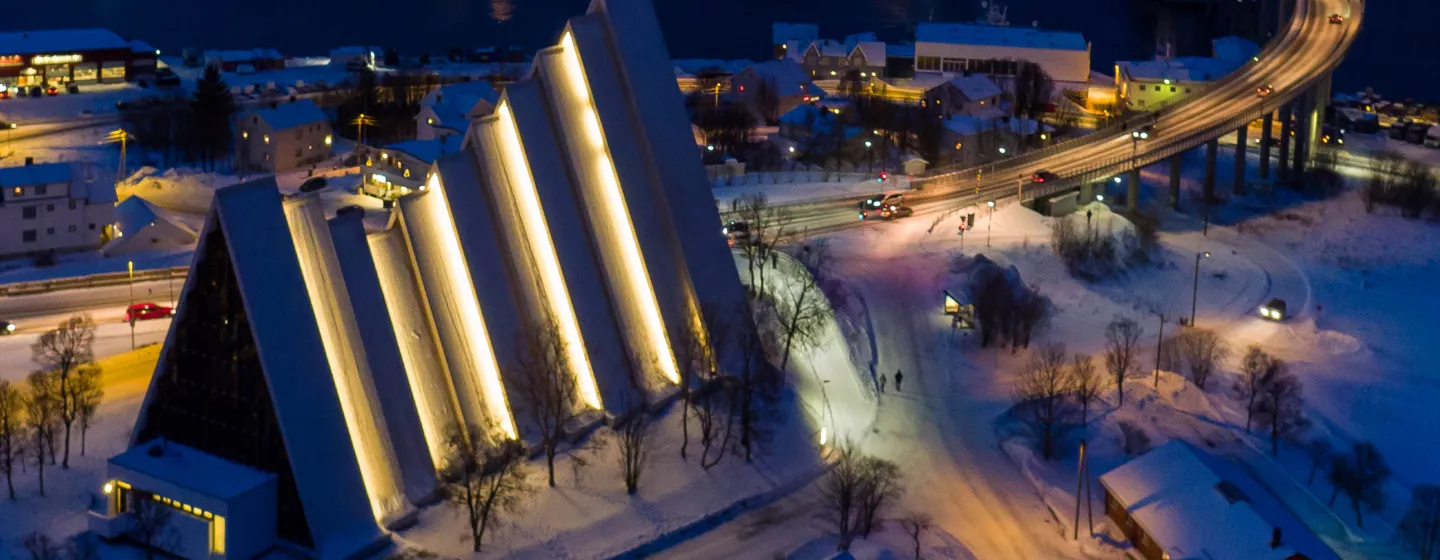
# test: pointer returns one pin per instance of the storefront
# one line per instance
(61, 57)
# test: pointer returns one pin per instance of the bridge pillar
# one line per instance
(1240, 139)
(1132, 190)
(1209, 185)
(1265, 139)
(1285, 131)
(1176, 165)
(1305, 129)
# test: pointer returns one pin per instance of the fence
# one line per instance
(92, 281)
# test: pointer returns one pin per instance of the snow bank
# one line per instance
(183, 190)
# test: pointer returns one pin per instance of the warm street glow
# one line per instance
(542, 247)
(637, 278)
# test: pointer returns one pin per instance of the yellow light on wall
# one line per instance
(637, 278)
(329, 139)
(547, 261)
(108, 488)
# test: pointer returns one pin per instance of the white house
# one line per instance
(282, 138)
(968, 139)
(398, 169)
(955, 48)
(1148, 85)
(974, 95)
(43, 209)
(142, 226)
(449, 109)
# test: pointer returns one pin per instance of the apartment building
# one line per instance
(43, 209)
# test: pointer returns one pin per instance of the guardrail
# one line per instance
(92, 281)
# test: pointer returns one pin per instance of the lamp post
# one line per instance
(869, 159)
(129, 310)
(1195, 289)
(989, 224)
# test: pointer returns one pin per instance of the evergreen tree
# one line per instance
(211, 111)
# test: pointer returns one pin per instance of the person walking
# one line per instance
(882, 383)
(898, 378)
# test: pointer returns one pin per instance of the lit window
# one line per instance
(369, 162)
(328, 140)
(957, 145)
(407, 172)
(244, 135)
(384, 155)
(267, 138)
(432, 119)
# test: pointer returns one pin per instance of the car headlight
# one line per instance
(10, 327)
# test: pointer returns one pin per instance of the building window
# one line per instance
(28, 236)
(1172, 89)
(39, 189)
(930, 63)
(953, 65)
(114, 70)
(267, 157)
(28, 212)
(299, 134)
(1187, 90)
(1142, 87)
(267, 138)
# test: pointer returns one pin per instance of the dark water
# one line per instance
(1397, 52)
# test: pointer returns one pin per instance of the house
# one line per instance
(353, 57)
(870, 58)
(282, 138)
(973, 95)
(44, 210)
(245, 61)
(772, 88)
(64, 56)
(1149, 85)
(827, 59)
(449, 109)
(787, 37)
(398, 169)
(814, 128)
(998, 51)
(968, 139)
(142, 226)
(1177, 502)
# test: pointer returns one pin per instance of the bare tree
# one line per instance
(699, 367)
(841, 491)
(150, 526)
(915, 524)
(634, 440)
(12, 431)
(41, 411)
(769, 227)
(62, 351)
(1361, 476)
(41, 547)
(1202, 351)
(1421, 525)
(1252, 371)
(1088, 384)
(548, 389)
(487, 480)
(879, 487)
(1122, 344)
(1282, 403)
(1042, 400)
(803, 310)
(1318, 450)
(87, 392)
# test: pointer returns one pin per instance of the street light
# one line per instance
(1195, 289)
(991, 223)
(1100, 197)
(869, 159)
(1118, 180)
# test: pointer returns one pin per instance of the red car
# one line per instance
(1336, 18)
(145, 311)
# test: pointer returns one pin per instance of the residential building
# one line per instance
(44, 210)
(282, 138)
(63, 56)
(245, 61)
(449, 109)
(399, 169)
(302, 399)
(142, 226)
(353, 57)
(787, 37)
(861, 53)
(998, 51)
(1150, 85)
(970, 140)
(1179, 502)
(815, 129)
(974, 95)
(772, 88)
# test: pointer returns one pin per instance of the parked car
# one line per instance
(1274, 310)
(889, 206)
(147, 311)
(1415, 133)
(166, 77)
(7, 328)
(5, 93)
(52, 91)
(312, 184)
(736, 233)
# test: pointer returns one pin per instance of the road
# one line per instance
(105, 304)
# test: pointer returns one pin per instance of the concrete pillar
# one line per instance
(1240, 139)
(1209, 185)
(1285, 130)
(1304, 133)
(1132, 190)
(1176, 165)
(1265, 139)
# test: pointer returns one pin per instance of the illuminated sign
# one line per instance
(44, 59)
(12, 60)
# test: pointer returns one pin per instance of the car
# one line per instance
(736, 233)
(312, 184)
(52, 91)
(7, 328)
(884, 205)
(1264, 91)
(1274, 310)
(147, 311)
(5, 93)
(1337, 18)
(1042, 176)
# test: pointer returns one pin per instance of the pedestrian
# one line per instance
(898, 378)
(882, 383)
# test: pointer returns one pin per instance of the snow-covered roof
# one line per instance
(291, 115)
(191, 468)
(975, 87)
(427, 150)
(135, 213)
(827, 47)
(782, 32)
(997, 36)
(1190, 69)
(138, 46)
(785, 75)
(1194, 505)
(37, 174)
(1234, 48)
(60, 40)
(454, 104)
(873, 51)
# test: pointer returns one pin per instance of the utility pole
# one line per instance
(1159, 342)
(129, 310)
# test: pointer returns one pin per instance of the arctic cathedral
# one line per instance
(304, 392)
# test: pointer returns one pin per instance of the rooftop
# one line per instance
(997, 36)
(135, 213)
(60, 40)
(1196, 505)
(874, 51)
(1181, 69)
(975, 87)
(291, 115)
(191, 469)
(785, 75)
